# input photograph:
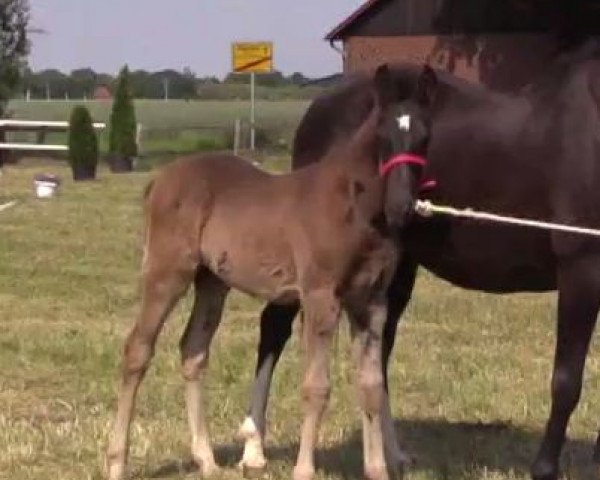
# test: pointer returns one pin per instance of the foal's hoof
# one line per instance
(399, 462)
(114, 469)
(376, 473)
(252, 467)
(251, 471)
(115, 472)
(208, 469)
(596, 454)
(303, 473)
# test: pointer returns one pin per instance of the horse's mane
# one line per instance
(406, 76)
(563, 65)
(559, 69)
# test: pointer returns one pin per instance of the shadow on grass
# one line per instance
(442, 450)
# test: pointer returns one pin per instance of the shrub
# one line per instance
(122, 145)
(212, 142)
(264, 139)
(83, 144)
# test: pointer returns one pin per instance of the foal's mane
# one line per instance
(363, 141)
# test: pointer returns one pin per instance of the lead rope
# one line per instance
(427, 209)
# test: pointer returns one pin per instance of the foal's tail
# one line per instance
(147, 192)
(148, 189)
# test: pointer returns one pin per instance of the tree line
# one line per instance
(14, 46)
(172, 84)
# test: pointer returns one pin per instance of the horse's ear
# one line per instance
(384, 85)
(427, 84)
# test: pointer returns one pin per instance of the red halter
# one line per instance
(406, 159)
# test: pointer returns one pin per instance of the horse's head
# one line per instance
(404, 132)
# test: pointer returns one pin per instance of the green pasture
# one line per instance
(177, 126)
(469, 374)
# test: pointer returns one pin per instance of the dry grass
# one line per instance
(469, 374)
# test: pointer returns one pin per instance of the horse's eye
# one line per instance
(404, 122)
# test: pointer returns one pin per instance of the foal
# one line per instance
(316, 236)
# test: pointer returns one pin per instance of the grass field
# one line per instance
(174, 113)
(278, 119)
(469, 376)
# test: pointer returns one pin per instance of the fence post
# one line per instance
(138, 137)
(3, 153)
(252, 111)
(236, 136)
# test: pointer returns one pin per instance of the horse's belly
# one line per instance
(490, 258)
(254, 261)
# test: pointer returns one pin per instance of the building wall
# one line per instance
(503, 62)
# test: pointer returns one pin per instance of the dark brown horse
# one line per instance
(534, 155)
(316, 236)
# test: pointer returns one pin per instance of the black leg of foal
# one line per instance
(398, 297)
(578, 302)
(275, 330)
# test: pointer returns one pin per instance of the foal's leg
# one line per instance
(275, 330)
(356, 321)
(398, 296)
(210, 294)
(163, 285)
(578, 302)
(367, 337)
(321, 315)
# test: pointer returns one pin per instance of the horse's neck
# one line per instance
(483, 112)
(464, 97)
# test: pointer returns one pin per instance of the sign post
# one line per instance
(252, 110)
(252, 58)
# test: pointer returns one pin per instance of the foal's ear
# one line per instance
(384, 85)
(427, 84)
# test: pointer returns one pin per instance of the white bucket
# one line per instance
(45, 189)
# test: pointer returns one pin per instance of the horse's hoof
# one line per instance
(543, 470)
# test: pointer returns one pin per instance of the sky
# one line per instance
(160, 34)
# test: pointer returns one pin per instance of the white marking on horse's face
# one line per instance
(404, 122)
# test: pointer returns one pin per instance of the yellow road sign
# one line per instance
(250, 57)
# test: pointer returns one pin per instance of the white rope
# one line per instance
(427, 209)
